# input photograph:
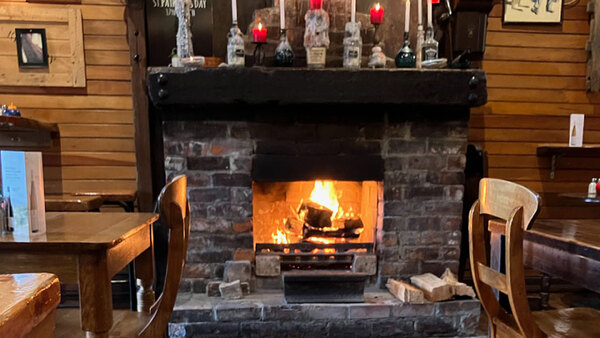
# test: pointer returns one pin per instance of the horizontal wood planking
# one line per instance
(536, 79)
(95, 122)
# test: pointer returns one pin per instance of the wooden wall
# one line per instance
(96, 122)
(536, 78)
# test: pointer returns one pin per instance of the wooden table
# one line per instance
(580, 197)
(28, 304)
(566, 249)
(88, 248)
(123, 198)
(73, 203)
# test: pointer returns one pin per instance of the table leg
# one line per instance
(95, 294)
(144, 272)
(545, 292)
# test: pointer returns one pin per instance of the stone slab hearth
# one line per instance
(266, 314)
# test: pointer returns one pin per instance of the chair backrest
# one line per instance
(175, 214)
(518, 207)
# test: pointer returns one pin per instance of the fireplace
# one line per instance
(292, 173)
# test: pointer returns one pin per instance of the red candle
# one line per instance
(316, 4)
(259, 34)
(377, 14)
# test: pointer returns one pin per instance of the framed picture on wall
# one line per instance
(32, 48)
(533, 11)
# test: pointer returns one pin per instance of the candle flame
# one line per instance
(377, 6)
(260, 26)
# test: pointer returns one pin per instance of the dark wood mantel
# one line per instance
(187, 87)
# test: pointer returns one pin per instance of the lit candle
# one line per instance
(407, 17)
(234, 11)
(377, 14)
(259, 34)
(316, 4)
(282, 13)
(420, 12)
(429, 16)
(353, 11)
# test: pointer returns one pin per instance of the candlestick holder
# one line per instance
(377, 58)
(406, 57)
(259, 54)
(284, 55)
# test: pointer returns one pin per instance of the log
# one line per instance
(353, 223)
(458, 288)
(308, 231)
(316, 215)
(405, 292)
(435, 288)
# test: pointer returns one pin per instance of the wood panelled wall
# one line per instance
(96, 122)
(536, 78)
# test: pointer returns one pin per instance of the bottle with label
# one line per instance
(592, 189)
(316, 35)
(235, 47)
(352, 45)
(430, 46)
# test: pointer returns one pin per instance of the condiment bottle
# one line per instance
(597, 187)
(592, 187)
(12, 111)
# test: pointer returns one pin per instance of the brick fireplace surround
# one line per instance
(214, 132)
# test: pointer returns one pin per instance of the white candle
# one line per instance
(420, 12)
(429, 20)
(353, 17)
(282, 13)
(407, 17)
(234, 11)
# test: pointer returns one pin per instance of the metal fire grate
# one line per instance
(303, 256)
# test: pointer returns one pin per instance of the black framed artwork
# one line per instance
(32, 48)
(532, 11)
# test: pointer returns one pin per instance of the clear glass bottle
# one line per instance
(316, 35)
(284, 55)
(352, 45)
(430, 46)
(235, 47)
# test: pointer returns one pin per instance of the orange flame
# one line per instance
(324, 194)
(280, 237)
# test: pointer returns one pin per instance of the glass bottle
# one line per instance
(235, 47)
(316, 35)
(406, 57)
(430, 46)
(352, 45)
(284, 55)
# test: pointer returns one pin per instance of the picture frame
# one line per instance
(32, 47)
(532, 11)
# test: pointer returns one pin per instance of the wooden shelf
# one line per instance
(563, 150)
(178, 87)
(20, 133)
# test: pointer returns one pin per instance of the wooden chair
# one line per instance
(518, 207)
(174, 212)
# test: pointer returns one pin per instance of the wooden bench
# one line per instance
(123, 198)
(73, 203)
(28, 304)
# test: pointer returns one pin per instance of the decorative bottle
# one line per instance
(430, 46)
(284, 56)
(406, 57)
(352, 45)
(592, 189)
(316, 35)
(185, 48)
(235, 47)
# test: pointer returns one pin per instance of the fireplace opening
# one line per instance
(320, 224)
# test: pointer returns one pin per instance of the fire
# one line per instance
(280, 237)
(324, 194)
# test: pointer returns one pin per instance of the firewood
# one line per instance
(435, 289)
(458, 288)
(308, 231)
(405, 292)
(316, 215)
(353, 223)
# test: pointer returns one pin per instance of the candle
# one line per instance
(420, 12)
(282, 13)
(407, 17)
(259, 34)
(316, 4)
(353, 11)
(234, 11)
(377, 14)
(429, 20)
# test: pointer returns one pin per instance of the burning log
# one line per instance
(316, 215)
(308, 231)
(353, 223)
